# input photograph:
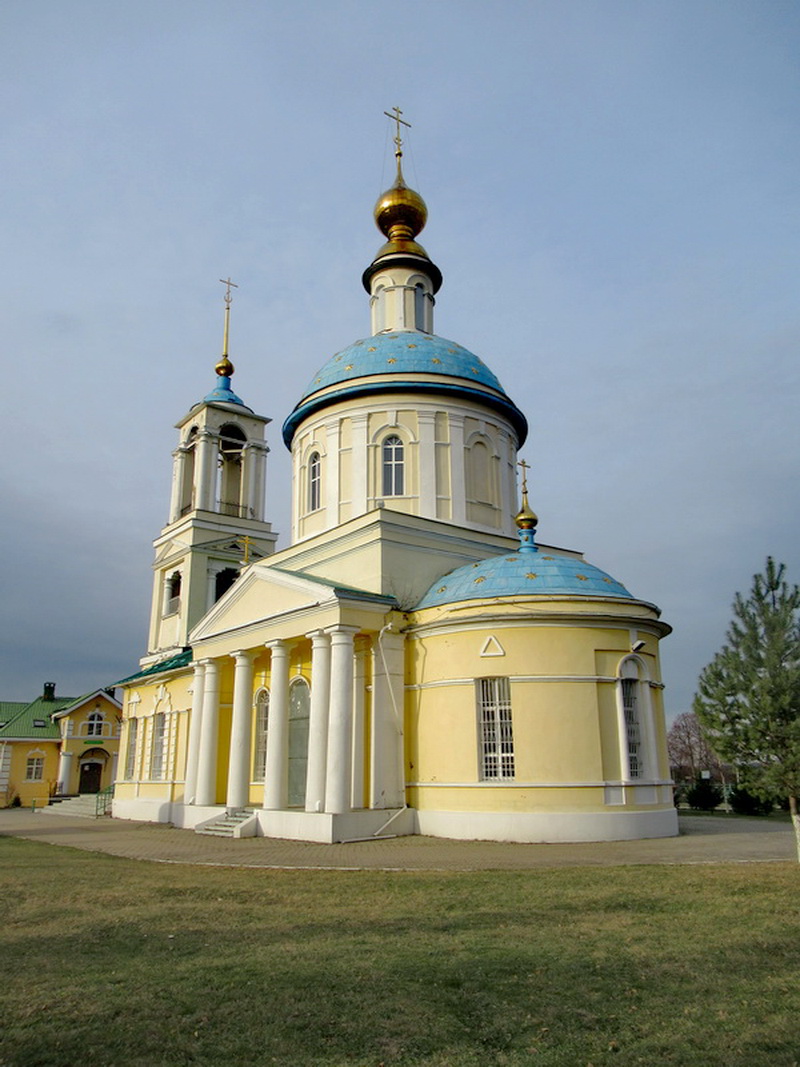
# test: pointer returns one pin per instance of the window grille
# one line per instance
(630, 687)
(260, 749)
(157, 753)
(393, 480)
(314, 483)
(496, 730)
(130, 760)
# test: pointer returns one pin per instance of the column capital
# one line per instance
(209, 661)
(347, 632)
(243, 656)
(318, 636)
(278, 644)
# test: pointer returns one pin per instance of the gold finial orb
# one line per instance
(400, 213)
(224, 368)
(526, 518)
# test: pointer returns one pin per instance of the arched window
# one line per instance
(94, 725)
(299, 711)
(392, 457)
(223, 581)
(314, 483)
(232, 440)
(419, 306)
(630, 694)
(172, 594)
(260, 747)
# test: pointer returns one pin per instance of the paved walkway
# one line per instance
(703, 839)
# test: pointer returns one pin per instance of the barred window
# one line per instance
(314, 482)
(393, 481)
(630, 694)
(260, 748)
(130, 759)
(157, 753)
(496, 733)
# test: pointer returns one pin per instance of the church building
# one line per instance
(416, 660)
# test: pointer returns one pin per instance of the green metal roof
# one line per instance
(182, 659)
(23, 724)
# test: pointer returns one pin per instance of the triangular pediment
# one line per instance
(261, 594)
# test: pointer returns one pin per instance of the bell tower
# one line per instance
(216, 518)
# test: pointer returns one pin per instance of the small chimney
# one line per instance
(49, 691)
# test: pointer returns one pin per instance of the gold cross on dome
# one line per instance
(525, 467)
(229, 285)
(398, 140)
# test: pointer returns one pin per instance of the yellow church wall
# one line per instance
(493, 797)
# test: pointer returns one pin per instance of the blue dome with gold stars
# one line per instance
(401, 362)
(527, 572)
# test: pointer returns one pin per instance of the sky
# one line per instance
(613, 199)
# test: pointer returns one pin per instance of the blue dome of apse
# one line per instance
(527, 572)
(411, 361)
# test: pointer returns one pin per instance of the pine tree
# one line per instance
(748, 697)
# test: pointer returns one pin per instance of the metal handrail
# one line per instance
(102, 800)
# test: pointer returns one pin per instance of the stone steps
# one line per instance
(81, 807)
(226, 825)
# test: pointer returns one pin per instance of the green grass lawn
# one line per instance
(116, 962)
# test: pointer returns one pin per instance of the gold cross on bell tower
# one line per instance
(398, 140)
(228, 300)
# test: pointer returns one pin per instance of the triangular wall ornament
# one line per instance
(492, 647)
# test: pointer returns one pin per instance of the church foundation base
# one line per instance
(548, 827)
(325, 828)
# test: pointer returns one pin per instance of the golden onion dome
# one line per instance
(526, 518)
(400, 213)
(224, 368)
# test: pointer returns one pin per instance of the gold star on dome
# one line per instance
(581, 577)
(436, 360)
(373, 349)
(349, 366)
(479, 579)
(452, 351)
(531, 575)
(608, 581)
(391, 360)
(548, 557)
(442, 589)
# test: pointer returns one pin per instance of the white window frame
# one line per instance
(34, 769)
(95, 724)
(158, 746)
(495, 729)
(260, 742)
(393, 466)
(314, 481)
(130, 756)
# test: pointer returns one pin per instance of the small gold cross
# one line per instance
(525, 467)
(246, 542)
(398, 140)
(228, 297)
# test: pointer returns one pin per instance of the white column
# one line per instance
(358, 475)
(276, 781)
(178, 468)
(359, 726)
(207, 761)
(458, 487)
(387, 781)
(338, 784)
(259, 468)
(64, 770)
(195, 728)
(206, 471)
(239, 759)
(427, 463)
(318, 720)
(331, 473)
